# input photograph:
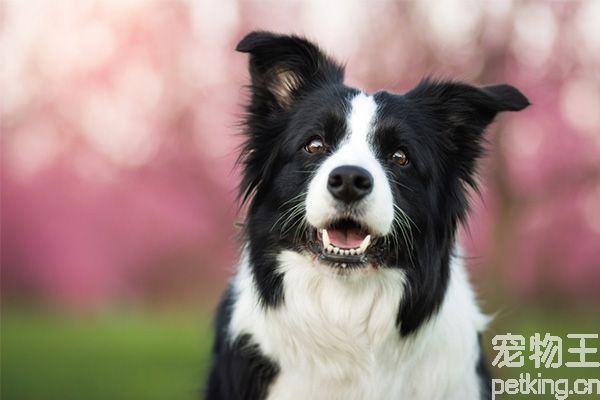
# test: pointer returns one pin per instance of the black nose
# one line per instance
(349, 183)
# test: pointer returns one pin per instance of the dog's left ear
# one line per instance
(461, 104)
(283, 67)
(463, 112)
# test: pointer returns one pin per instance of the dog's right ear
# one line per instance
(283, 67)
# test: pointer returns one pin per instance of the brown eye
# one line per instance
(400, 157)
(315, 145)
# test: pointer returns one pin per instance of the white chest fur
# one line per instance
(335, 337)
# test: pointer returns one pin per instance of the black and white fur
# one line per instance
(401, 323)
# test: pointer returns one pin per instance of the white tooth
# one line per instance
(329, 248)
(326, 241)
(365, 243)
(346, 252)
(343, 265)
(336, 250)
(352, 252)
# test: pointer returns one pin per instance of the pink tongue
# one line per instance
(346, 238)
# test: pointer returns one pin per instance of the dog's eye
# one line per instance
(315, 145)
(400, 157)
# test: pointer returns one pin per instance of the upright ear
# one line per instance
(284, 67)
(463, 112)
(462, 104)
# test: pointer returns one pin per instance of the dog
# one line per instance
(350, 284)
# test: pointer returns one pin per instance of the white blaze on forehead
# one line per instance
(361, 119)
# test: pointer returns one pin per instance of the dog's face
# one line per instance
(356, 181)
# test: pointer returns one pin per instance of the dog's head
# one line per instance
(356, 180)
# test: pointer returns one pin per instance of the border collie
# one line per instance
(350, 285)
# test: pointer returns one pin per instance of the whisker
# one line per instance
(287, 215)
(294, 198)
(401, 226)
(407, 218)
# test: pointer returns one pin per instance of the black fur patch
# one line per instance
(239, 370)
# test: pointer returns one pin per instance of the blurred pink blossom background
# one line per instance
(120, 127)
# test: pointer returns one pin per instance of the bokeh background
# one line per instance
(119, 132)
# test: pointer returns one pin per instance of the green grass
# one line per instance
(152, 356)
(113, 357)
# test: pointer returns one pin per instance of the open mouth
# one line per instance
(344, 243)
